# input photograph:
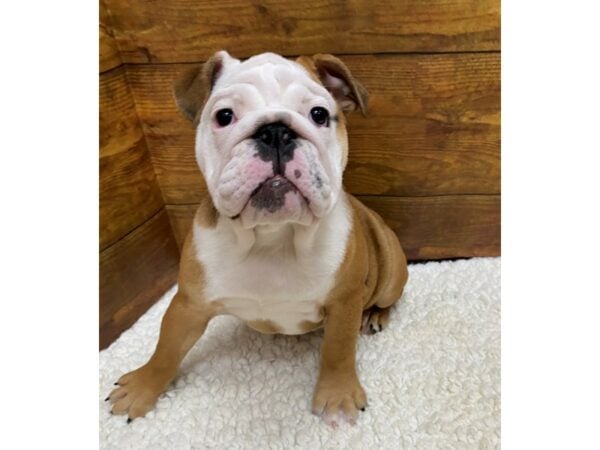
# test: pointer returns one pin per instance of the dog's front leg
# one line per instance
(338, 392)
(182, 325)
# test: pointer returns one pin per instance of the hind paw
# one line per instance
(374, 320)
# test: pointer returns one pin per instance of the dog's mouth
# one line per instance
(270, 194)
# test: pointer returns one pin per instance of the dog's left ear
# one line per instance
(348, 92)
(192, 90)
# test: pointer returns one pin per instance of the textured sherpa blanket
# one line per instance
(432, 377)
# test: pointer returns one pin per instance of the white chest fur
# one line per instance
(279, 274)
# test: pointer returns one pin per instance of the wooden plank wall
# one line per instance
(138, 254)
(427, 157)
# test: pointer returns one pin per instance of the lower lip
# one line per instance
(276, 182)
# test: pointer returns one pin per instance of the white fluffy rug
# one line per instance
(432, 377)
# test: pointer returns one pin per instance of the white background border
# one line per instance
(550, 225)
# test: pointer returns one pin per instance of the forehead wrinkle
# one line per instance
(260, 78)
(319, 90)
(297, 93)
(235, 93)
(275, 83)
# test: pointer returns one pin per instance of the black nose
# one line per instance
(275, 135)
(276, 143)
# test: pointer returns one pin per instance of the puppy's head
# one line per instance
(271, 139)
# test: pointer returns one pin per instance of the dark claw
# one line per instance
(129, 419)
(380, 327)
(372, 329)
(106, 399)
(117, 383)
(362, 409)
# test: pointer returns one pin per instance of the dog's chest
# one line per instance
(272, 292)
(277, 289)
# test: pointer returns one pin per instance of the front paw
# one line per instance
(338, 399)
(138, 392)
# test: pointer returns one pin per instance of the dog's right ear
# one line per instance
(192, 90)
(347, 91)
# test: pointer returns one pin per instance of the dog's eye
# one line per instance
(320, 115)
(224, 117)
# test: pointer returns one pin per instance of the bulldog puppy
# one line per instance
(277, 243)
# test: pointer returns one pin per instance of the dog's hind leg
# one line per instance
(375, 319)
(377, 316)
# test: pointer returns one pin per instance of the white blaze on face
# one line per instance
(269, 89)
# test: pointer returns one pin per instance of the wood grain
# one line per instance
(181, 217)
(129, 192)
(428, 227)
(120, 127)
(109, 51)
(433, 127)
(442, 227)
(134, 273)
(189, 31)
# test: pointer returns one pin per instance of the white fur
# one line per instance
(277, 273)
(267, 88)
(278, 268)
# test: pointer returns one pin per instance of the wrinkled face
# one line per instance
(271, 143)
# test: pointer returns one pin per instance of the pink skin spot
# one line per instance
(257, 171)
(238, 179)
(337, 418)
(296, 170)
